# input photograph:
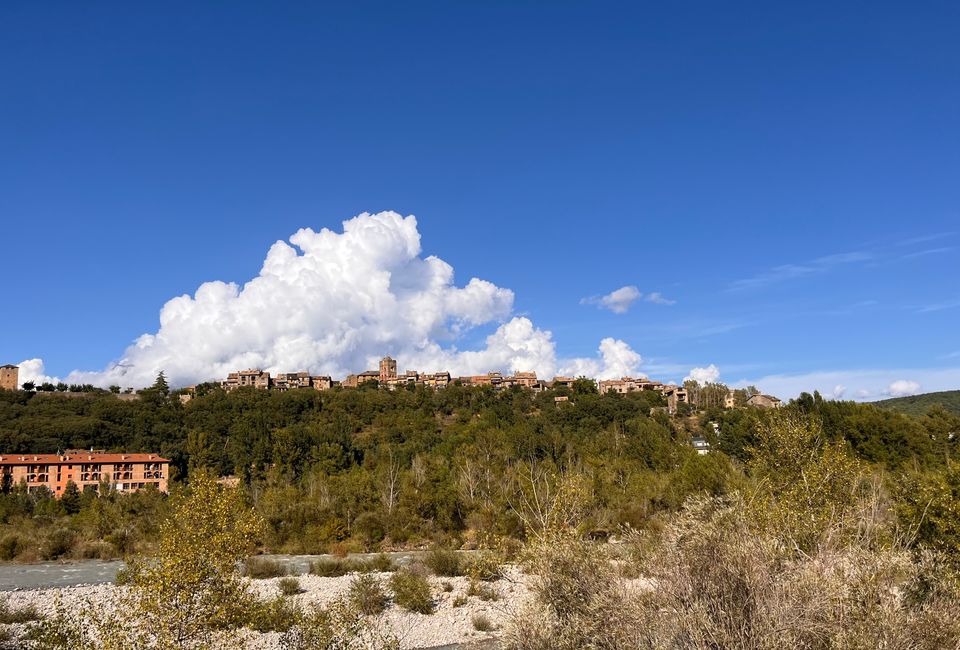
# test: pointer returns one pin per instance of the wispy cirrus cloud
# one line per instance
(786, 272)
(620, 300)
(860, 384)
(922, 239)
(871, 254)
(928, 251)
(938, 306)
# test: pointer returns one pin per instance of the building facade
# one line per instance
(124, 472)
(764, 401)
(254, 378)
(9, 377)
(626, 385)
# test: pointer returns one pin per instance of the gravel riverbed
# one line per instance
(447, 626)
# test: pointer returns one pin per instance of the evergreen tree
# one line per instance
(160, 385)
(71, 499)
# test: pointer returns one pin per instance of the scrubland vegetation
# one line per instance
(822, 525)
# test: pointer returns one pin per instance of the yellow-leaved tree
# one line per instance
(189, 595)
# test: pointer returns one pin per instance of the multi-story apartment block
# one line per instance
(124, 472)
(9, 377)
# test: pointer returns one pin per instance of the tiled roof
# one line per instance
(56, 459)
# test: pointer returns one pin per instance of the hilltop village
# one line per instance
(387, 377)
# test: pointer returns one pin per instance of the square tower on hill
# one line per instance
(388, 369)
(9, 377)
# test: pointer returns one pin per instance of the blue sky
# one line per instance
(786, 175)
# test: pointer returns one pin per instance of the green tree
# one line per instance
(160, 385)
(71, 498)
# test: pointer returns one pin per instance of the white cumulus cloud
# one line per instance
(33, 370)
(703, 376)
(617, 301)
(903, 387)
(616, 359)
(620, 300)
(334, 303)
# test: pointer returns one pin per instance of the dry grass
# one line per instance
(711, 580)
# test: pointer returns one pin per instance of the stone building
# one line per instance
(244, 378)
(675, 395)
(626, 385)
(388, 370)
(9, 377)
(764, 401)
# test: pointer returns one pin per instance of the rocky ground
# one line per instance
(448, 625)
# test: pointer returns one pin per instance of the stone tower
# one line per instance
(9, 377)
(388, 369)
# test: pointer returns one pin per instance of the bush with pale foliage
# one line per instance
(190, 595)
(811, 557)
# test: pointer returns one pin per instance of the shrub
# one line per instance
(261, 567)
(444, 562)
(340, 625)
(98, 550)
(483, 565)
(411, 591)
(460, 601)
(481, 623)
(58, 543)
(123, 577)
(276, 615)
(447, 586)
(12, 545)
(722, 583)
(290, 586)
(367, 594)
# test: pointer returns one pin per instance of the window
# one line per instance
(90, 472)
(122, 471)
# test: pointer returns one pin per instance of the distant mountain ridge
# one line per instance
(920, 404)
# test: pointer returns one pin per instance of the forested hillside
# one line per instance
(920, 404)
(370, 469)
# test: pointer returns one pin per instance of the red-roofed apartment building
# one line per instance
(125, 472)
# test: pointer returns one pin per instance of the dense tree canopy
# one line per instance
(373, 468)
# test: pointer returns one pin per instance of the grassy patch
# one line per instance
(481, 623)
(290, 586)
(22, 615)
(261, 567)
(335, 566)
